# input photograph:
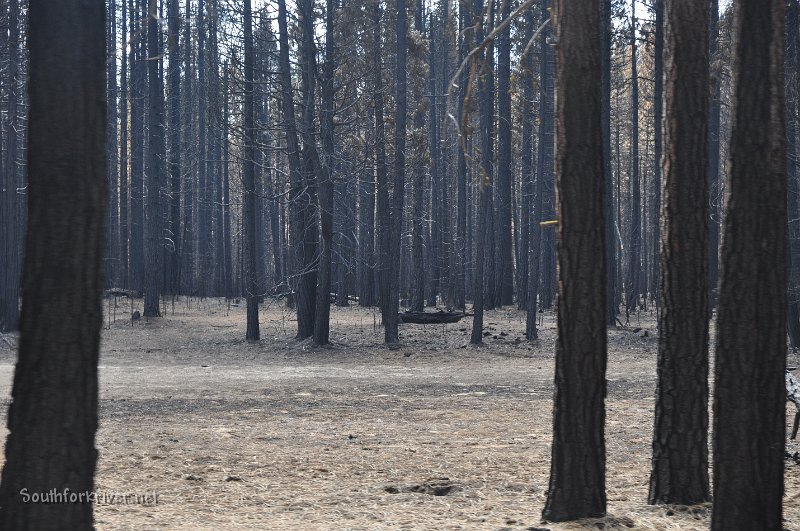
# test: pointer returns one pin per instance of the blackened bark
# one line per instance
(299, 207)
(249, 236)
(504, 256)
(155, 167)
(680, 439)
(749, 386)
(53, 417)
(398, 195)
(577, 474)
(325, 180)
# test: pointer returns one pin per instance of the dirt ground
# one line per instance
(279, 434)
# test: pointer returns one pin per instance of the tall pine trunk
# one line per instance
(577, 473)
(53, 417)
(749, 383)
(680, 439)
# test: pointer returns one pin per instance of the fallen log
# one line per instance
(440, 317)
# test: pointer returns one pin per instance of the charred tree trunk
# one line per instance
(749, 383)
(53, 417)
(577, 474)
(680, 440)
(398, 195)
(155, 166)
(504, 257)
(249, 235)
(325, 179)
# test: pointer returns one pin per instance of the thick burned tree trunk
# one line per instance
(53, 417)
(299, 207)
(680, 439)
(325, 180)
(249, 235)
(504, 260)
(577, 474)
(155, 167)
(749, 383)
(398, 196)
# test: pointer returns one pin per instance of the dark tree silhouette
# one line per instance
(155, 166)
(249, 182)
(577, 474)
(680, 440)
(53, 417)
(749, 387)
(398, 191)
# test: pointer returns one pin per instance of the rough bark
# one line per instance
(325, 179)
(577, 474)
(249, 236)
(680, 440)
(53, 417)
(749, 383)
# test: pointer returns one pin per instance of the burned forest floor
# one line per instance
(283, 435)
